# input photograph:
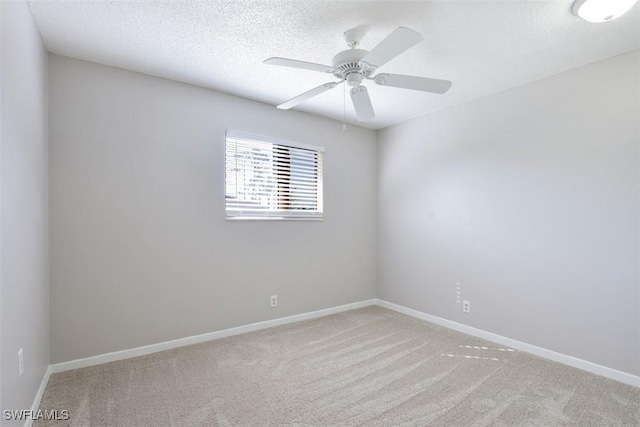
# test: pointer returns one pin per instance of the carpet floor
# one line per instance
(365, 367)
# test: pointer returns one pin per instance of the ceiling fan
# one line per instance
(356, 65)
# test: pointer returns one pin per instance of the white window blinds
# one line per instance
(270, 178)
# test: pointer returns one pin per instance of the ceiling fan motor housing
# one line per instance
(347, 66)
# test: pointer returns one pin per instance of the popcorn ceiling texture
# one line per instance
(482, 46)
(367, 367)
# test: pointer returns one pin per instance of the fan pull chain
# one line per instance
(344, 109)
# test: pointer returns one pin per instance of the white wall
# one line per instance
(530, 199)
(24, 293)
(140, 248)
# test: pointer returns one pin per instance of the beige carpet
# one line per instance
(370, 367)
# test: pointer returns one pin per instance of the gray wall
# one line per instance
(140, 249)
(530, 199)
(24, 293)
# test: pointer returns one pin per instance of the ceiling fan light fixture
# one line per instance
(354, 79)
(601, 10)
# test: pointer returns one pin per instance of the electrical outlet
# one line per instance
(466, 306)
(20, 363)
(274, 300)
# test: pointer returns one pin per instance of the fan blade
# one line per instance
(293, 63)
(362, 103)
(308, 94)
(395, 43)
(410, 82)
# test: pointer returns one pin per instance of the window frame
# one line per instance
(279, 146)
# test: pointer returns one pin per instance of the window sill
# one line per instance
(270, 218)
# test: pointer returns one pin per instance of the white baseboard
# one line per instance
(38, 399)
(154, 348)
(594, 368)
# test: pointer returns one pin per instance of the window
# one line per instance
(268, 178)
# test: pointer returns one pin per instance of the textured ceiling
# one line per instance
(482, 46)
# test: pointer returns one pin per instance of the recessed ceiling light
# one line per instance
(601, 10)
